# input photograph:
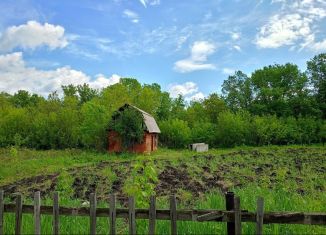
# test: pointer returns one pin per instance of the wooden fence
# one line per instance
(233, 215)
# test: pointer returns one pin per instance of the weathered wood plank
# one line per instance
(55, 212)
(112, 214)
(210, 216)
(237, 216)
(260, 216)
(1, 211)
(152, 215)
(19, 214)
(92, 213)
(37, 213)
(229, 205)
(132, 215)
(173, 214)
(316, 218)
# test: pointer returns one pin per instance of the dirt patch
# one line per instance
(43, 183)
(215, 181)
(171, 179)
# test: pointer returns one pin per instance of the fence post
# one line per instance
(229, 203)
(37, 213)
(92, 213)
(56, 213)
(1, 211)
(260, 216)
(19, 214)
(132, 216)
(112, 214)
(152, 215)
(237, 216)
(173, 214)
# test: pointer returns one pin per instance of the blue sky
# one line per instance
(188, 47)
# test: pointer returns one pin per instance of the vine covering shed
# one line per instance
(150, 137)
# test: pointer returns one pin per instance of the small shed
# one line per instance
(151, 131)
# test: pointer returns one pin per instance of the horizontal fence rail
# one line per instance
(233, 216)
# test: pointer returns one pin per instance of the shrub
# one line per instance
(175, 133)
(232, 129)
(93, 125)
(203, 132)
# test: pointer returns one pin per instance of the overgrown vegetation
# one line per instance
(277, 104)
(141, 183)
(129, 125)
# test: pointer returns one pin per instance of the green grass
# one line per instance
(290, 178)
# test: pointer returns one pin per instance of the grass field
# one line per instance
(290, 178)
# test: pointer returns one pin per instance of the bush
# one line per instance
(175, 133)
(93, 127)
(203, 132)
(233, 129)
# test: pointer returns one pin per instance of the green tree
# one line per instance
(317, 74)
(178, 108)
(115, 96)
(276, 86)
(86, 93)
(196, 113)
(213, 106)
(133, 88)
(69, 90)
(163, 111)
(23, 99)
(237, 91)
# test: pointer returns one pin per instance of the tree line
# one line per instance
(277, 104)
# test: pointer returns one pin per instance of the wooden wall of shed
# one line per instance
(149, 144)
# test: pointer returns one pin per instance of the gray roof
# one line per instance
(149, 120)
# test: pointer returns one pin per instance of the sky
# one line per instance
(189, 47)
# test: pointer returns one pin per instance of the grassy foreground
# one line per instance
(289, 178)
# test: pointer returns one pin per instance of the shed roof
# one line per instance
(149, 120)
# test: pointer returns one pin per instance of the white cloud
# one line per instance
(237, 47)
(143, 2)
(32, 35)
(319, 46)
(103, 81)
(184, 89)
(189, 90)
(16, 75)
(235, 35)
(133, 16)
(283, 30)
(199, 53)
(149, 2)
(296, 25)
(228, 71)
